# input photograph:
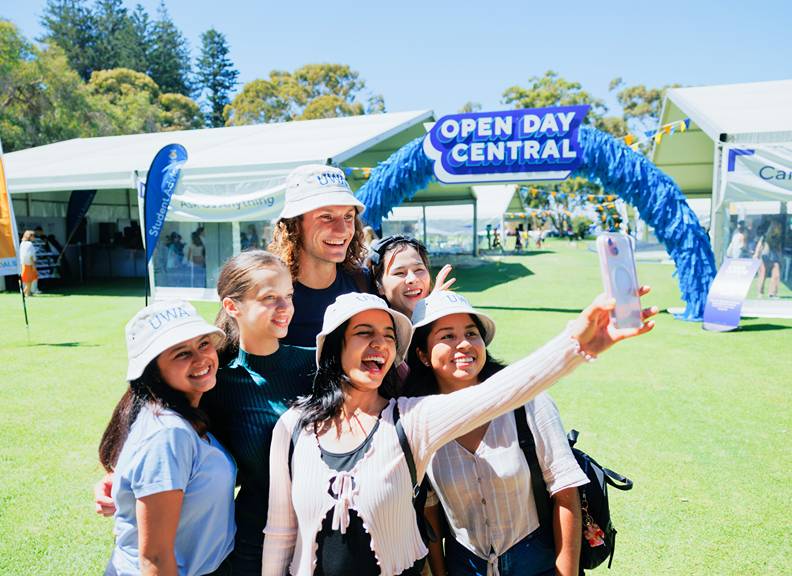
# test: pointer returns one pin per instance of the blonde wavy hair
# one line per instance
(287, 244)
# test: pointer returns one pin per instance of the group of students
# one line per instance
(328, 391)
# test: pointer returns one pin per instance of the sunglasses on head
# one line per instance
(379, 247)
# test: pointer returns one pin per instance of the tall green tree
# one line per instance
(117, 42)
(312, 91)
(169, 55)
(216, 75)
(71, 25)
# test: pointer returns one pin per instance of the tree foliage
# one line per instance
(117, 41)
(179, 112)
(554, 90)
(642, 106)
(42, 99)
(216, 76)
(312, 91)
(129, 102)
(71, 25)
(169, 55)
(109, 36)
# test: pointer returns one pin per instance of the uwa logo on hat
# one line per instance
(335, 178)
(160, 318)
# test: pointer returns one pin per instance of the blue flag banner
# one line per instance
(506, 146)
(727, 293)
(163, 175)
(79, 202)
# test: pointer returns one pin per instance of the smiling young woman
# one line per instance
(173, 482)
(341, 492)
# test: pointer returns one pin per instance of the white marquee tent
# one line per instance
(738, 156)
(755, 116)
(232, 175)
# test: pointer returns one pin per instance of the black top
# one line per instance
(348, 554)
(310, 305)
(251, 394)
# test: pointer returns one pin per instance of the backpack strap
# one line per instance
(295, 435)
(544, 508)
(405, 446)
(419, 491)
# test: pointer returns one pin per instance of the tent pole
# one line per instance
(475, 229)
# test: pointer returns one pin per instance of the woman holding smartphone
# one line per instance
(340, 487)
(482, 479)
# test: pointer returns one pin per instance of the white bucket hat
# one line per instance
(347, 305)
(159, 326)
(444, 303)
(315, 186)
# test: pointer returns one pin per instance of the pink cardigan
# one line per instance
(378, 488)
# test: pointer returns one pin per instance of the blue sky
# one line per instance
(440, 54)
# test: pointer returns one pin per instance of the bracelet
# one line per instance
(582, 353)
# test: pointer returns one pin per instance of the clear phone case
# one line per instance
(617, 264)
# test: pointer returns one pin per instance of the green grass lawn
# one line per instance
(698, 420)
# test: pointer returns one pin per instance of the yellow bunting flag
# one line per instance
(667, 129)
(629, 139)
(682, 126)
(658, 137)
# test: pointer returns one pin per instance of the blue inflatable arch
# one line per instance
(608, 161)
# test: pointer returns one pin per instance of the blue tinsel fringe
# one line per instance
(395, 180)
(661, 204)
(606, 160)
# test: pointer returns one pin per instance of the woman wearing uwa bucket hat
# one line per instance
(174, 483)
(483, 479)
(340, 483)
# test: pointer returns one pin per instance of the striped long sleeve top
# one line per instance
(378, 488)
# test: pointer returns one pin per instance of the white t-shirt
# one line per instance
(27, 253)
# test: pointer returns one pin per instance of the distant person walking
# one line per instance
(27, 255)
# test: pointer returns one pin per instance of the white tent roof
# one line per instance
(759, 112)
(735, 109)
(242, 151)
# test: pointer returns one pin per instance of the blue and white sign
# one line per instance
(727, 294)
(506, 146)
(161, 180)
(761, 172)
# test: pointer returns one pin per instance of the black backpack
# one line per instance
(599, 535)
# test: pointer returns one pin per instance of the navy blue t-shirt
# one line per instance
(310, 305)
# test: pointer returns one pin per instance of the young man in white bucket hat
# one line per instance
(319, 236)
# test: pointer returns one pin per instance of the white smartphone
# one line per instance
(617, 264)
